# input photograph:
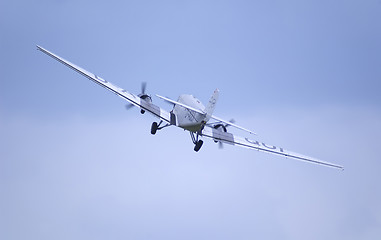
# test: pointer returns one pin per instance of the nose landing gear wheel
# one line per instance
(198, 145)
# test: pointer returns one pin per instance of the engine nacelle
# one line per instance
(220, 127)
(146, 98)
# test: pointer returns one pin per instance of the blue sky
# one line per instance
(304, 75)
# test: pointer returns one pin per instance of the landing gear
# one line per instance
(197, 143)
(156, 126)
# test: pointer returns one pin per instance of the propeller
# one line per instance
(231, 121)
(129, 106)
(142, 95)
(143, 87)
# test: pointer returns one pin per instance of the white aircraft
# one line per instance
(190, 114)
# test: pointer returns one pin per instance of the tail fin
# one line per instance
(211, 105)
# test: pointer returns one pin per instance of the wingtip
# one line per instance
(338, 167)
(39, 48)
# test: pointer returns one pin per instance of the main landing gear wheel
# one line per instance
(157, 126)
(198, 145)
(154, 128)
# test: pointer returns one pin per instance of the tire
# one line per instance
(154, 128)
(198, 145)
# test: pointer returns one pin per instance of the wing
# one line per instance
(229, 138)
(135, 100)
(232, 124)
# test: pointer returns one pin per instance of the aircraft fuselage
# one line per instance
(186, 118)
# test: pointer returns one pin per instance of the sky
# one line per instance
(304, 75)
